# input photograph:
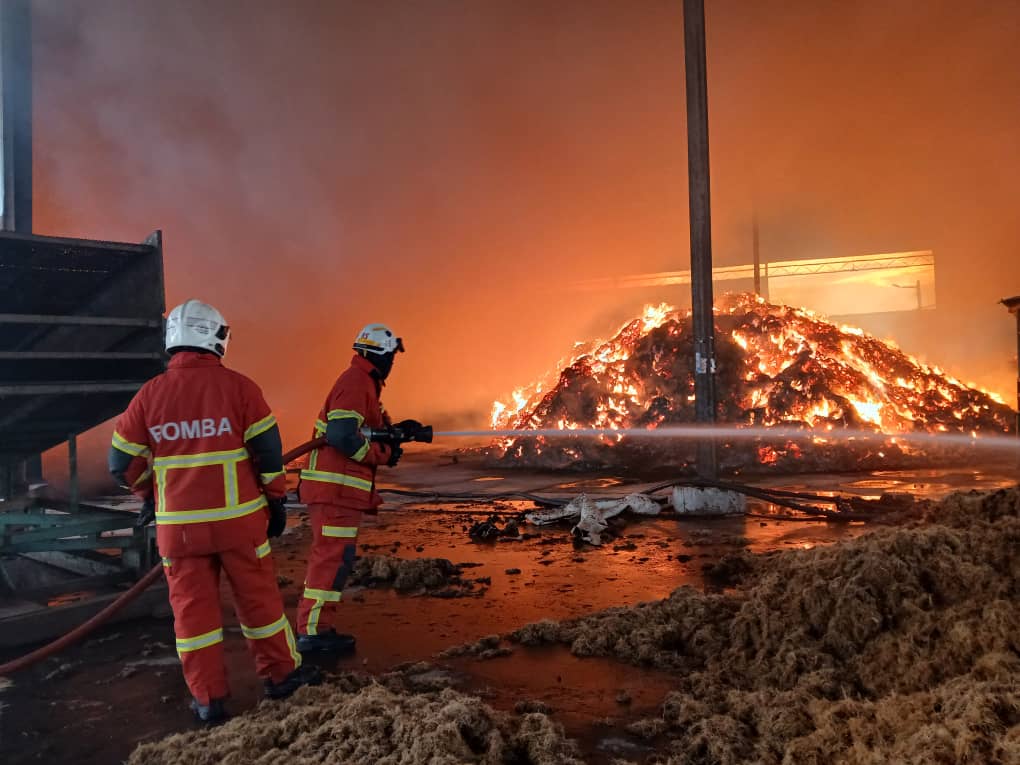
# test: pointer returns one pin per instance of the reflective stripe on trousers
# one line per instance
(199, 641)
(261, 633)
(321, 597)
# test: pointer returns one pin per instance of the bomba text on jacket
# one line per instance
(204, 428)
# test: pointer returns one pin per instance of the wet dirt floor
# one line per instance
(97, 700)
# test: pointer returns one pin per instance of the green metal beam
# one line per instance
(59, 519)
(84, 543)
(81, 528)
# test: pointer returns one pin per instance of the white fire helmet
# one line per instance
(378, 339)
(195, 324)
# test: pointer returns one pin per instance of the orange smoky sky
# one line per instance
(449, 168)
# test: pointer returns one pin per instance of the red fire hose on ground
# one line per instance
(103, 616)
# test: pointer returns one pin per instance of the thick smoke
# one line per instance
(449, 168)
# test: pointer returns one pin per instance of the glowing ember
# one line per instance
(777, 366)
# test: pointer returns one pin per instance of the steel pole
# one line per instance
(701, 228)
(16, 113)
(756, 252)
(16, 136)
(1017, 313)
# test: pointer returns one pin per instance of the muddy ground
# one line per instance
(98, 701)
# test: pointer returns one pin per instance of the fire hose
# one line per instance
(791, 500)
(408, 430)
(86, 628)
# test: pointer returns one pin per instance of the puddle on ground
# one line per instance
(592, 483)
(577, 690)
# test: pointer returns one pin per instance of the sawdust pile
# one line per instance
(437, 577)
(355, 720)
(900, 646)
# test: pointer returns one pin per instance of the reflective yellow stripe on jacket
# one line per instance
(122, 444)
(340, 479)
(177, 517)
(232, 507)
(268, 478)
(345, 414)
(359, 455)
(313, 474)
(260, 427)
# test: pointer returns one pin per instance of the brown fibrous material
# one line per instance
(355, 720)
(438, 577)
(900, 646)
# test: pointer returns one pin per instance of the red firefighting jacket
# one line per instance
(187, 430)
(332, 477)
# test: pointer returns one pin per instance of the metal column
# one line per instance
(16, 114)
(756, 254)
(701, 228)
(1013, 306)
(16, 138)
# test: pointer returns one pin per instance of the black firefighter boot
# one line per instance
(212, 713)
(303, 675)
(326, 642)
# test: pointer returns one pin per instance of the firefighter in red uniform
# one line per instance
(339, 483)
(200, 445)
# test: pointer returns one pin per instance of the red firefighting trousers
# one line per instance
(330, 562)
(194, 584)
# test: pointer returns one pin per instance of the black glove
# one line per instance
(277, 516)
(395, 454)
(148, 512)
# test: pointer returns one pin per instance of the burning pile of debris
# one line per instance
(777, 367)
